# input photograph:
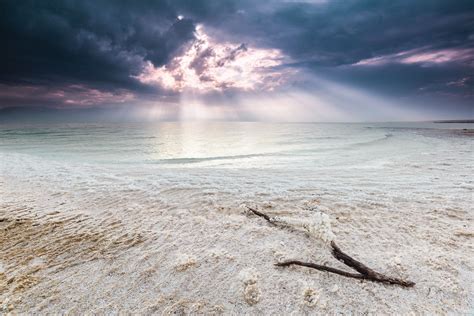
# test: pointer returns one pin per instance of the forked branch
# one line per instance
(364, 272)
(367, 272)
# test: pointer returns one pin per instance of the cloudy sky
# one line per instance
(320, 60)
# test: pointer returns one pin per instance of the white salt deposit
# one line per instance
(104, 220)
(316, 225)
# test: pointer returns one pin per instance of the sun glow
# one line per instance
(207, 66)
(332, 102)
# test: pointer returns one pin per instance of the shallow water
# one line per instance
(385, 164)
(237, 143)
(415, 156)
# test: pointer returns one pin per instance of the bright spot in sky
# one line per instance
(207, 65)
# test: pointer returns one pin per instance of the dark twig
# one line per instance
(265, 216)
(319, 267)
(372, 276)
(349, 261)
(364, 270)
(365, 273)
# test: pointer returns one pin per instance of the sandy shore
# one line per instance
(58, 255)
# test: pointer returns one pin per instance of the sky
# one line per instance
(239, 60)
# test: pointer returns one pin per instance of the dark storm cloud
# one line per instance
(101, 45)
(336, 32)
(328, 38)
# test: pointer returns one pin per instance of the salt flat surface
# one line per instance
(104, 219)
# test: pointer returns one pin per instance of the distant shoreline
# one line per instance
(454, 121)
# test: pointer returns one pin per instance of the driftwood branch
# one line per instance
(265, 216)
(320, 268)
(364, 270)
(365, 273)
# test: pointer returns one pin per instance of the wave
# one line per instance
(342, 146)
(372, 141)
(204, 159)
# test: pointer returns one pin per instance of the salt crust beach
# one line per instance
(75, 243)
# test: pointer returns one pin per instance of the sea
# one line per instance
(213, 163)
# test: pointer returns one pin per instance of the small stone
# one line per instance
(334, 289)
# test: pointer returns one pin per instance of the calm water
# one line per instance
(233, 145)
(411, 162)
